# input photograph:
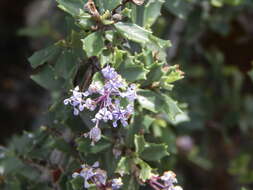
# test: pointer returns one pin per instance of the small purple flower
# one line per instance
(90, 104)
(101, 177)
(104, 114)
(121, 115)
(130, 94)
(76, 111)
(86, 173)
(94, 134)
(107, 102)
(164, 182)
(76, 100)
(169, 178)
(94, 88)
(92, 175)
(109, 73)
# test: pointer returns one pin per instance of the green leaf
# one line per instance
(140, 35)
(100, 146)
(84, 146)
(62, 145)
(130, 182)
(65, 64)
(20, 144)
(146, 122)
(107, 5)
(151, 12)
(179, 8)
(73, 7)
(141, 122)
(118, 56)
(148, 57)
(133, 32)
(77, 183)
(85, 22)
(132, 71)
(42, 56)
(171, 107)
(29, 172)
(217, 3)
(158, 43)
(150, 100)
(105, 57)
(123, 166)
(166, 135)
(172, 75)
(139, 143)
(93, 44)
(145, 171)
(12, 165)
(154, 74)
(149, 151)
(46, 78)
(158, 46)
(13, 185)
(137, 13)
(154, 152)
(126, 12)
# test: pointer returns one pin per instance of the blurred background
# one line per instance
(213, 44)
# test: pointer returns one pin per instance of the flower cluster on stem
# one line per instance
(94, 176)
(108, 101)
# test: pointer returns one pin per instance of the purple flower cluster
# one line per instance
(93, 175)
(108, 101)
(164, 182)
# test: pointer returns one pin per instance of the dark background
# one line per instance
(20, 98)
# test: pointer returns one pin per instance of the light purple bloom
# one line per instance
(108, 100)
(104, 114)
(76, 100)
(90, 104)
(76, 111)
(121, 115)
(169, 178)
(164, 182)
(94, 134)
(94, 88)
(87, 173)
(109, 73)
(92, 175)
(130, 94)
